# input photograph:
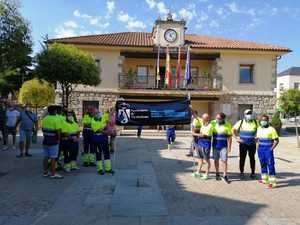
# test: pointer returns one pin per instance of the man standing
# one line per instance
(221, 144)
(195, 128)
(244, 132)
(28, 125)
(51, 130)
(3, 123)
(12, 117)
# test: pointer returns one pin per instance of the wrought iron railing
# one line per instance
(205, 83)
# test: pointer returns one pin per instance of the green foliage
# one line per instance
(15, 47)
(276, 122)
(289, 102)
(36, 93)
(67, 65)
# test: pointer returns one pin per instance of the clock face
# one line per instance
(170, 35)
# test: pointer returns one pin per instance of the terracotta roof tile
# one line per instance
(143, 39)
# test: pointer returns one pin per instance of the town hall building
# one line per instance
(227, 75)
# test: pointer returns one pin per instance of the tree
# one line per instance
(37, 93)
(289, 103)
(15, 47)
(68, 66)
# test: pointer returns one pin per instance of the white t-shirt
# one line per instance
(12, 117)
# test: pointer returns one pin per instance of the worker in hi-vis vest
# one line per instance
(100, 140)
(244, 132)
(51, 128)
(267, 140)
(70, 133)
(89, 157)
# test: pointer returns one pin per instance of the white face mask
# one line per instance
(248, 117)
(70, 118)
(264, 123)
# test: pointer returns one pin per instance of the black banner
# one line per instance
(134, 113)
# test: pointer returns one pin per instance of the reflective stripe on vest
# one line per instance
(265, 142)
(220, 137)
(248, 137)
(220, 141)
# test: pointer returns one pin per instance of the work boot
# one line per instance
(74, 166)
(67, 167)
(86, 160)
(92, 159)
(100, 167)
(264, 179)
(272, 181)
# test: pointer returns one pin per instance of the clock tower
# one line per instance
(168, 33)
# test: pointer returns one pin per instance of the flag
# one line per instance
(157, 65)
(168, 71)
(178, 70)
(187, 76)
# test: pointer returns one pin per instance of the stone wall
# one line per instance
(106, 100)
(262, 103)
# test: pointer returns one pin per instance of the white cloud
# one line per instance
(251, 12)
(63, 31)
(70, 24)
(214, 24)
(210, 6)
(203, 16)
(131, 23)
(220, 11)
(162, 9)
(274, 11)
(110, 6)
(187, 14)
(151, 3)
(233, 7)
(92, 20)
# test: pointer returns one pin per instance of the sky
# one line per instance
(263, 21)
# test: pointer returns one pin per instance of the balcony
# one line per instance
(200, 83)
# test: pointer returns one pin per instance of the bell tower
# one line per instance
(169, 32)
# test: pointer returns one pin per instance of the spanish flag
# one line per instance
(168, 70)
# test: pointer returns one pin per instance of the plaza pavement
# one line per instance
(152, 185)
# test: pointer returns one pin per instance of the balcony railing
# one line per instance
(204, 83)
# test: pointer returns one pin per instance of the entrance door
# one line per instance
(162, 71)
(242, 108)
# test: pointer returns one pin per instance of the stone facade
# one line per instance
(262, 102)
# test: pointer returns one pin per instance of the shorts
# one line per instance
(220, 154)
(11, 130)
(203, 153)
(25, 135)
(50, 151)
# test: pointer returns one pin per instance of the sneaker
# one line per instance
(56, 176)
(225, 179)
(252, 176)
(46, 174)
(218, 177)
(196, 174)
(270, 186)
(5, 148)
(101, 172)
(204, 177)
(109, 171)
(189, 154)
(169, 147)
(28, 155)
(242, 176)
(20, 156)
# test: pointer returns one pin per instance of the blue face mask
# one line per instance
(264, 123)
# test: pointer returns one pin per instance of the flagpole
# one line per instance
(157, 68)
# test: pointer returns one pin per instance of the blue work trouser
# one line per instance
(266, 158)
(70, 149)
(101, 146)
(88, 146)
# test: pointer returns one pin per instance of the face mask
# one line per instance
(264, 123)
(70, 118)
(27, 109)
(220, 121)
(248, 117)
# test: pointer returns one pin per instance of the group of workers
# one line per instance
(61, 133)
(250, 135)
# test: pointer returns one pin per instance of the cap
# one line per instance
(247, 111)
